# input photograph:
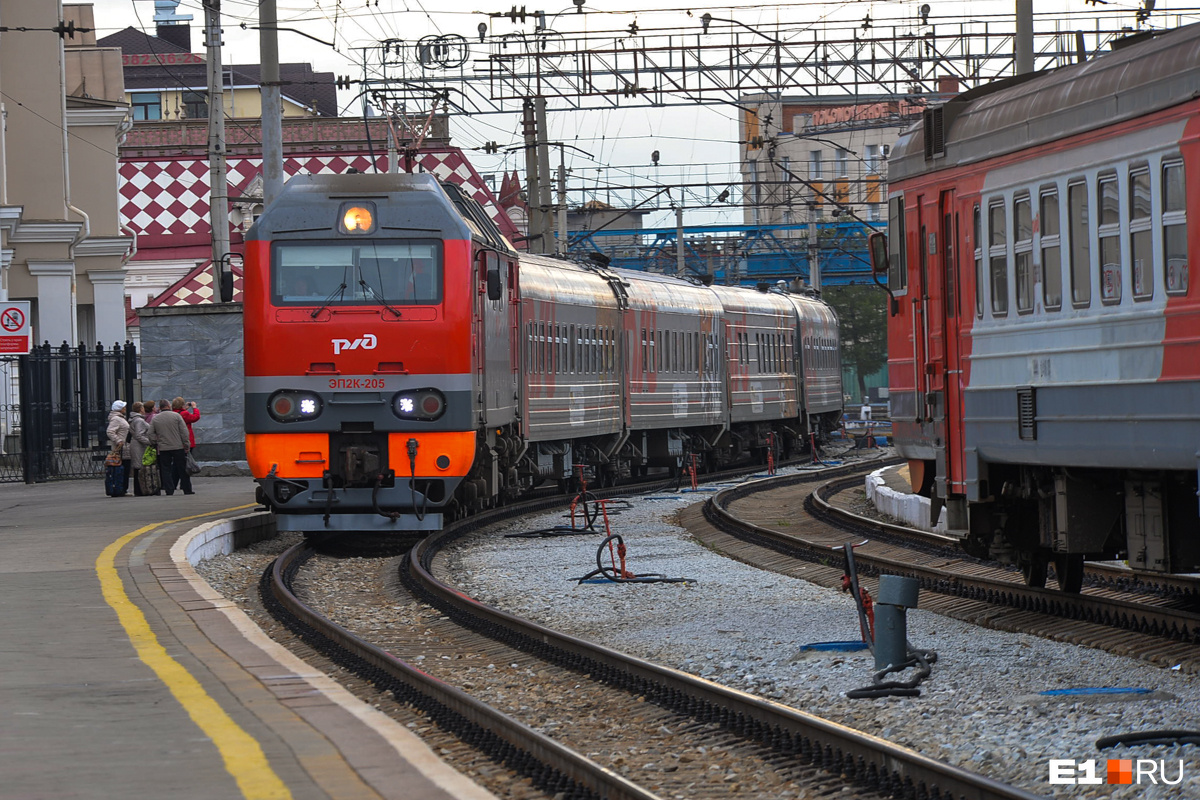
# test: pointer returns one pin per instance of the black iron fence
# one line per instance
(56, 427)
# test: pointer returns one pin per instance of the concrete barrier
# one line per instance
(911, 509)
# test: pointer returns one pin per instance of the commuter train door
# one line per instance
(939, 238)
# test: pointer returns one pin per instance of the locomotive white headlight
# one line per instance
(425, 405)
(291, 405)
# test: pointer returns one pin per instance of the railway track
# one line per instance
(634, 729)
(1158, 625)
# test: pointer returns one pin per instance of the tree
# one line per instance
(862, 320)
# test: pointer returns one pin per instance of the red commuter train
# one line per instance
(1044, 337)
(405, 365)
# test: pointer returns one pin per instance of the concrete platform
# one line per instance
(891, 493)
(123, 675)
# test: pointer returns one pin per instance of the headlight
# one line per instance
(290, 405)
(421, 404)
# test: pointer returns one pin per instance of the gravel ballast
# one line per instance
(980, 709)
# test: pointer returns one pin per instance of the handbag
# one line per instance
(192, 467)
(113, 459)
(150, 457)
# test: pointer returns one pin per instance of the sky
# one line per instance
(697, 143)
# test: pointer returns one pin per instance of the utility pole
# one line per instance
(561, 249)
(218, 183)
(814, 248)
(272, 125)
(680, 262)
(1023, 43)
(543, 157)
(533, 190)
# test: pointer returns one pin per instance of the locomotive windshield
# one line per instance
(358, 273)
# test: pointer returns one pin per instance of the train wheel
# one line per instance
(1070, 572)
(1034, 568)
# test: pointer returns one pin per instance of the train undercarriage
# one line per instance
(1038, 516)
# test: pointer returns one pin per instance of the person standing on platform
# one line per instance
(190, 414)
(118, 436)
(149, 410)
(169, 434)
(139, 440)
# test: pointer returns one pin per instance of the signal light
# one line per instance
(425, 405)
(357, 218)
(291, 405)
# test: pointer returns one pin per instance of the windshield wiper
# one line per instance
(378, 296)
(339, 293)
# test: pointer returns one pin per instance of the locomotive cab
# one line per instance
(359, 406)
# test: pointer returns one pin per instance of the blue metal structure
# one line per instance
(747, 254)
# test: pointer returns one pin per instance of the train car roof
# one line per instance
(1138, 78)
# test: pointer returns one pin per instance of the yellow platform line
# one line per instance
(243, 756)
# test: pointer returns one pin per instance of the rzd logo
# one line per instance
(1119, 770)
(368, 342)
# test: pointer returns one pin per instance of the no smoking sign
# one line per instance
(14, 327)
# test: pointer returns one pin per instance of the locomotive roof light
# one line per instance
(290, 405)
(425, 405)
(357, 218)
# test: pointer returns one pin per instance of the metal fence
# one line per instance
(56, 427)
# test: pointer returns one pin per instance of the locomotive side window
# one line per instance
(1051, 244)
(372, 273)
(1109, 231)
(897, 264)
(976, 222)
(1174, 218)
(1079, 244)
(1023, 252)
(998, 257)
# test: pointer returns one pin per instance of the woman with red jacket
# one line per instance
(190, 414)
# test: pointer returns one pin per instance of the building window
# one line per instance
(1023, 252)
(815, 169)
(842, 163)
(1051, 250)
(146, 105)
(1109, 231)
(1175, 249)
(195, 105)
(873, 158)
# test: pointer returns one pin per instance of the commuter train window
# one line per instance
(998, 257)
(375, 273)
(978, 234)
(1023, 252)
(1051, 245)
(897, 265)
(1174, 218)
(645, 351)
(1141, 240)
(1079, 244)
(1109, 195)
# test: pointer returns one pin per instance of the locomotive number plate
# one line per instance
(357, 383)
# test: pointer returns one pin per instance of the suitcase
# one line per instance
(148, 479)
(114, 481)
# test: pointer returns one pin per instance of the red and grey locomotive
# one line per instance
(1044, 337)
(404, 364)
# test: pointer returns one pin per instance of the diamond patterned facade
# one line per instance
(162, 198)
